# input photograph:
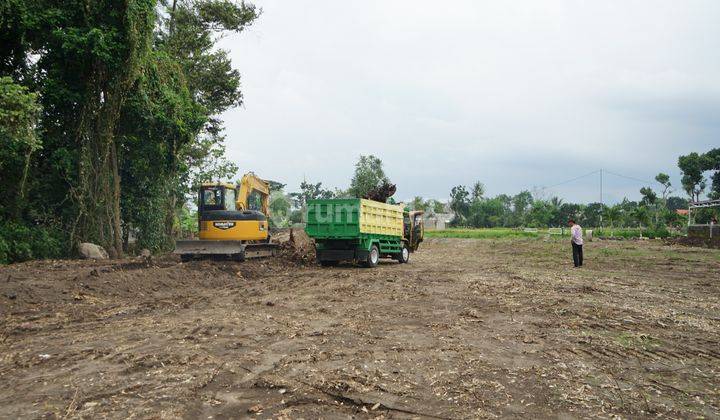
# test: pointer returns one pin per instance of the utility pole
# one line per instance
(601, 197)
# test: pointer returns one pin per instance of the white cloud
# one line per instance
(515, 94)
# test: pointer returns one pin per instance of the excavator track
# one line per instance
(236, 250)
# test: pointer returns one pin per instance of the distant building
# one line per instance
(438, 221)
(682, 212)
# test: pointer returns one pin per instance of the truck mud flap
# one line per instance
(341, 255)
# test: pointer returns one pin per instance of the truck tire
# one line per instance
(329, 263)
(404, 256)
(373, 257)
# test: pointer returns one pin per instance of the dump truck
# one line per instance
(362, 231)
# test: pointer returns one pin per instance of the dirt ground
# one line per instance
(470, 328)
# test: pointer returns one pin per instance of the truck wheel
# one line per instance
(404, 256)
(373, 257)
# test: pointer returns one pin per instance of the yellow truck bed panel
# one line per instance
(380, 218)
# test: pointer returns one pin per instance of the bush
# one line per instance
(657, 232)
(19, 242)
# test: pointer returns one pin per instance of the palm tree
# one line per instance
(641, 215)
(612, 215)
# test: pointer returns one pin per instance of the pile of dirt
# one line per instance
(295, 245)
(381, 193)
(694, 241)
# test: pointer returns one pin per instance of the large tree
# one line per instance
(369, 175)
(129, 95)
(18, 141)
(180, 144)
(460, 203)
(693, 180)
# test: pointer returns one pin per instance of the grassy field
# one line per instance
(489, 233)
(498, 233)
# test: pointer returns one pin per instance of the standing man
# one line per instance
(577, 242)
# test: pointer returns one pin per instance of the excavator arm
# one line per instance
(249, 184)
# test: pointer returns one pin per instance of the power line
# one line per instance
(644, 181)
(570, 180)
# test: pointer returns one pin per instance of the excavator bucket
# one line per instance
(190, 249)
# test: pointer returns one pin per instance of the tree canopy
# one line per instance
(369, 175)
(111, 109)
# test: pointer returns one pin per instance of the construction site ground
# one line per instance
(470, 328)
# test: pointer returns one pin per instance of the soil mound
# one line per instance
(295, 245)
(695, 241)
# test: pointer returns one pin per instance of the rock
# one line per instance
(92, 251)
(145, 253)
(11, 295)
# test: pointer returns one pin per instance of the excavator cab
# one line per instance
(222, 217)
(215, 197)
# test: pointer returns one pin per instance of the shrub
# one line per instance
(19, 242)
(659, 231)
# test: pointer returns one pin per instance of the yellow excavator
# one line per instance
(232, 221)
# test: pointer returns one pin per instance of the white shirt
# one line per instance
(576, 234)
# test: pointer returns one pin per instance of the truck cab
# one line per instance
(413, 229)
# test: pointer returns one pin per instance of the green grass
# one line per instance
(491, 233)
(638, 341)
(499, 233)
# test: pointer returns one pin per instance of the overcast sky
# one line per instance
(516, 94)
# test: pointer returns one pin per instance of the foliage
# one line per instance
(649, 197)
(369, 175)
(124, 98)
(514, 233)
(495, 233)
(676, 203)
(188, 222)
(280, 207)
(20, 242)
(460, 204)
(694, 166)
(418, 203)
(436, 206)
(18, 141)
(664, 180)
(487, 213)
(309, 191)
(478, 191)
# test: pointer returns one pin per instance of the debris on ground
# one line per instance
(295, 245)
(463, 331)
(694, 241)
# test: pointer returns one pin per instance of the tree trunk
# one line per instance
(116, 199)
(97, 193)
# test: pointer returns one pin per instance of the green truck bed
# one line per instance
(355, 229)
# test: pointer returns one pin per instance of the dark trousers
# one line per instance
(577, 254)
